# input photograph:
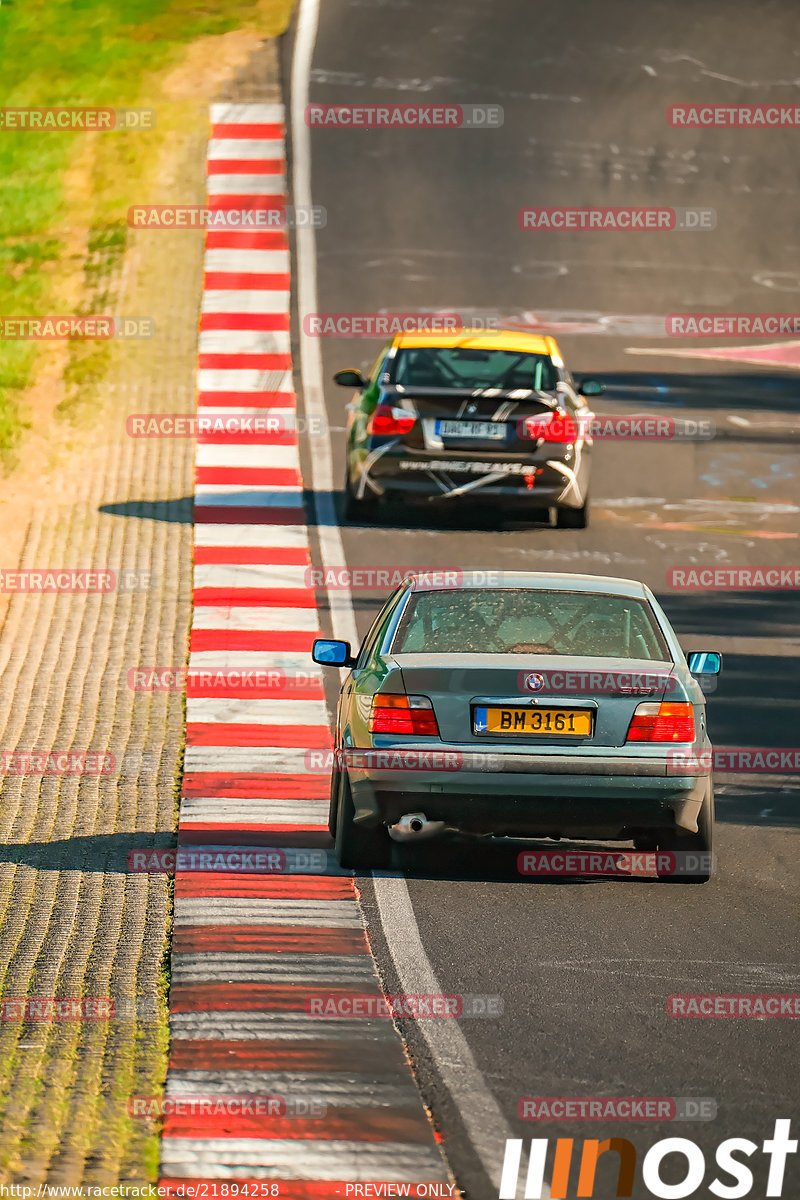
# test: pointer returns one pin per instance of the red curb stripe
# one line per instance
(235, 639)
(246, 166)
(407, 1125)
(282, 837)
(312, 737)
(245, 281)
(269, 939)
(272, 132)
(247, 239)
(272, 555)
(382, 1057)
(263, 997)
(265, 784)
(264, 597)
(223, 515)
(247, 400)
(264, 887)
(249, 201)
(271, 322)
(237, 361)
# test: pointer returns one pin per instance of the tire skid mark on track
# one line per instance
(251, 948)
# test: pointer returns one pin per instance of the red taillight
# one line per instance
(387, 420)
(403, 714)
(550, 427)
(665, 722)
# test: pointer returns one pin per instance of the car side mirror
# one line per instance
(591, 387)
(350, 378)
(332, 654)
(704, 662)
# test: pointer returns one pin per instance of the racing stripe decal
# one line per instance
(261, 1089)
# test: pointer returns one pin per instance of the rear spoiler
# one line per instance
(513, 395)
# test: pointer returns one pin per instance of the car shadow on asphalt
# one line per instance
(728, 392)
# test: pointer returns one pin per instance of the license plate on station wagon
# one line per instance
(556, 722)
(494, 430)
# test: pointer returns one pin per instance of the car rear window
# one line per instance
(529, 621)
(471, 367)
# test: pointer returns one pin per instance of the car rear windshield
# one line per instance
(470, 367)
(529, 621)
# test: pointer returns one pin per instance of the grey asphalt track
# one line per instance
(428, 219)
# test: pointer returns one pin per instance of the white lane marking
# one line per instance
(241, 760)
(214, 493)
(479, 1110)
(271, 967)
(301, 1158)
(235, 910)
(251, 575)
(241, 710)
(269, 262)
(243, 618)
(234, 1026)
(288, 497)
(227, 113)
(221, 454)
(245, 148)
(206, 809)
(244, 341)
(324, 1087)
(243, 379)
(483, 1120)
(246, 185)
(249, 300)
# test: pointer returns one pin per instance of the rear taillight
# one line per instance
(387, 420)
(403, 714)
(668, 721)
(550, 427)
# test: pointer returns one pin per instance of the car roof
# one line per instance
(491, 580)
(497, 339)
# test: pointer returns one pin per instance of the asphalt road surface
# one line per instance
(421, 220)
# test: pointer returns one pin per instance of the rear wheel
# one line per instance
(355, 846)
(573, 518)
(699, 845)
(356, 509)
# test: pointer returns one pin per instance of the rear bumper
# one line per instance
(410, 476)
(529, 795)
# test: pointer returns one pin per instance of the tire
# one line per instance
(369, 849)
(353, 508)
(701, 842)
(334, 801)
(573, 518)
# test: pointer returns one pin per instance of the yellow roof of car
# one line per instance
(497, 339)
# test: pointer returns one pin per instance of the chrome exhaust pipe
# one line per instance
(415, 827)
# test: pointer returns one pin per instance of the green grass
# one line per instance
(86, 53)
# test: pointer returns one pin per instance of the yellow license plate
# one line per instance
(556, 722)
